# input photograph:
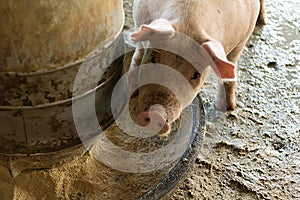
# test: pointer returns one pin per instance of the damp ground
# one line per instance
(254, 151)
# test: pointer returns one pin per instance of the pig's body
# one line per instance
(212, 24)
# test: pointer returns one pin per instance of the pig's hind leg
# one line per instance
(262, 16)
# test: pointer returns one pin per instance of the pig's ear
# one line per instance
(225, 68)
(159, 29)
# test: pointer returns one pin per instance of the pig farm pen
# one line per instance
(250, 153)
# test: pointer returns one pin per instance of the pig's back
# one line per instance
(230, 22)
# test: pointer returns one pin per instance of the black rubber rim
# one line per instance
(181, 169)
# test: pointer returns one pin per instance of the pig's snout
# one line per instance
(155, 119)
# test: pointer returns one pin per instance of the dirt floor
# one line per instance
(254, 152)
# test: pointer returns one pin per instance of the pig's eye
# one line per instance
(153, 59)
(196, 76)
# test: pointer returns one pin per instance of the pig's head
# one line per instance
(158, 105)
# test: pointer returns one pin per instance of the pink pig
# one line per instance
(220, 28)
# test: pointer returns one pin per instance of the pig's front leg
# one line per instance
(137, 57)
(226, 96)
(227, 91)
(133, 71)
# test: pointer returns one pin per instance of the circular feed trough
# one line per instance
(43, 46)
(140, 168)
(87, 178)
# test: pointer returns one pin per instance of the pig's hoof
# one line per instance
(227, 108)
(231, 106)
(262, 19)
